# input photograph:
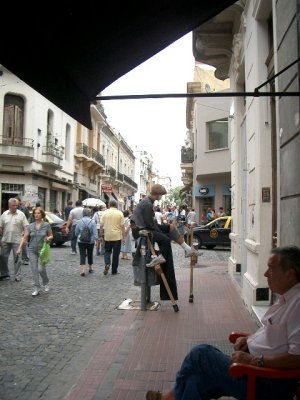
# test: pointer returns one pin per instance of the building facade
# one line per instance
(48, 157)
(37, 142)
(206, 154)
(144, 174)
(249, 43)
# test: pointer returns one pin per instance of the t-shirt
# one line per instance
(76, 215)
(13, 226)
(36, 236)
(112, 219)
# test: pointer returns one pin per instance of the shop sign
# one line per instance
(106, 188)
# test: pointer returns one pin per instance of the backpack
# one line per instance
(85, 235)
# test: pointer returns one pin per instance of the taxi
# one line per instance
(214, 233)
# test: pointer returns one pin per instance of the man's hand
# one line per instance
(241, 344)
(243, 358)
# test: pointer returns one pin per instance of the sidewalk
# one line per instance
(136, 351)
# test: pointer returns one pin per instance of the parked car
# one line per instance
(214, 233)
(58, 226)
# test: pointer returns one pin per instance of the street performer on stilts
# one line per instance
(143, 218)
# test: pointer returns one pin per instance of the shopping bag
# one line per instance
(44, 256)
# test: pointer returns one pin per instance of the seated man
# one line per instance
(204, 372)
(143, 218)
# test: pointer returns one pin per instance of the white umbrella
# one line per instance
(92, 202)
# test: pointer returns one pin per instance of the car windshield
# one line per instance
(54, 217)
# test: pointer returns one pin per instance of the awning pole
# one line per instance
(188, 95)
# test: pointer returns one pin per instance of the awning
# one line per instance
(119, 198)
(69, 52)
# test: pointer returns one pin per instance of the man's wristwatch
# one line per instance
(260, 361)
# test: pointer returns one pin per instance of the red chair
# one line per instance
(237, 370)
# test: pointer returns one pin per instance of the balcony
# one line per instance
(16, 147)
(52, 156)
(187, 155)
(187, 178)
(89, 156)
(187, 159)
(130, 182)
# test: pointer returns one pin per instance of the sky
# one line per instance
(157, 126)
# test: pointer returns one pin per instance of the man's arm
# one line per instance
(280, 361)
(123, 233)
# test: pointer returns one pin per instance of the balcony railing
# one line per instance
(53, 151)
(187, 155)
(16, 141)
(130, 182)
(89, 152)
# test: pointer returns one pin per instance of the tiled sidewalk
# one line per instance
(143, 350)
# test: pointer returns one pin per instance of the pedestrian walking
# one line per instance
(86, 231)
(12, 227)
(36, 234)
(97, 217)
(25, 209)
(112, 221)
(74, 216)
(126, 247)
(68, 209)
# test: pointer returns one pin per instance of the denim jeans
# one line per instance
(6, 249)
(113, 247)
(73, 238)
(204, 376)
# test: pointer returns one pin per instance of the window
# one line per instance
(13, 118)
(217, 134)
(68, 142)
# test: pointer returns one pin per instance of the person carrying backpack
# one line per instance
(86, 231)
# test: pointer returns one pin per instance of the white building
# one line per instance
(249, 43)
(206, 156)
(37, 142)
(143, 173)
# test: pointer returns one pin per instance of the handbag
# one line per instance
(44, 256)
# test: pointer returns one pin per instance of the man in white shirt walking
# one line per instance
(74, 216)
(12, 227)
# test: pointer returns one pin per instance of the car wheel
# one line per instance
(59, 243)
(210, 246)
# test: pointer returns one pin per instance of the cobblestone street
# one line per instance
(47, 341)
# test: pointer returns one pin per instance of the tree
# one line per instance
(175, 196)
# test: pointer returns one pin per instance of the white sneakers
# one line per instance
(37, 291)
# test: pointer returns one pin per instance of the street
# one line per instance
(55, 333)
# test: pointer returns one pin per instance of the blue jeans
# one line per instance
(73, 239)
(204, 375)
(114, 247)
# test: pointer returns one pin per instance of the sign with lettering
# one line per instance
(106, 188)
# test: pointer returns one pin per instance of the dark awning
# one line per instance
(69, 52)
